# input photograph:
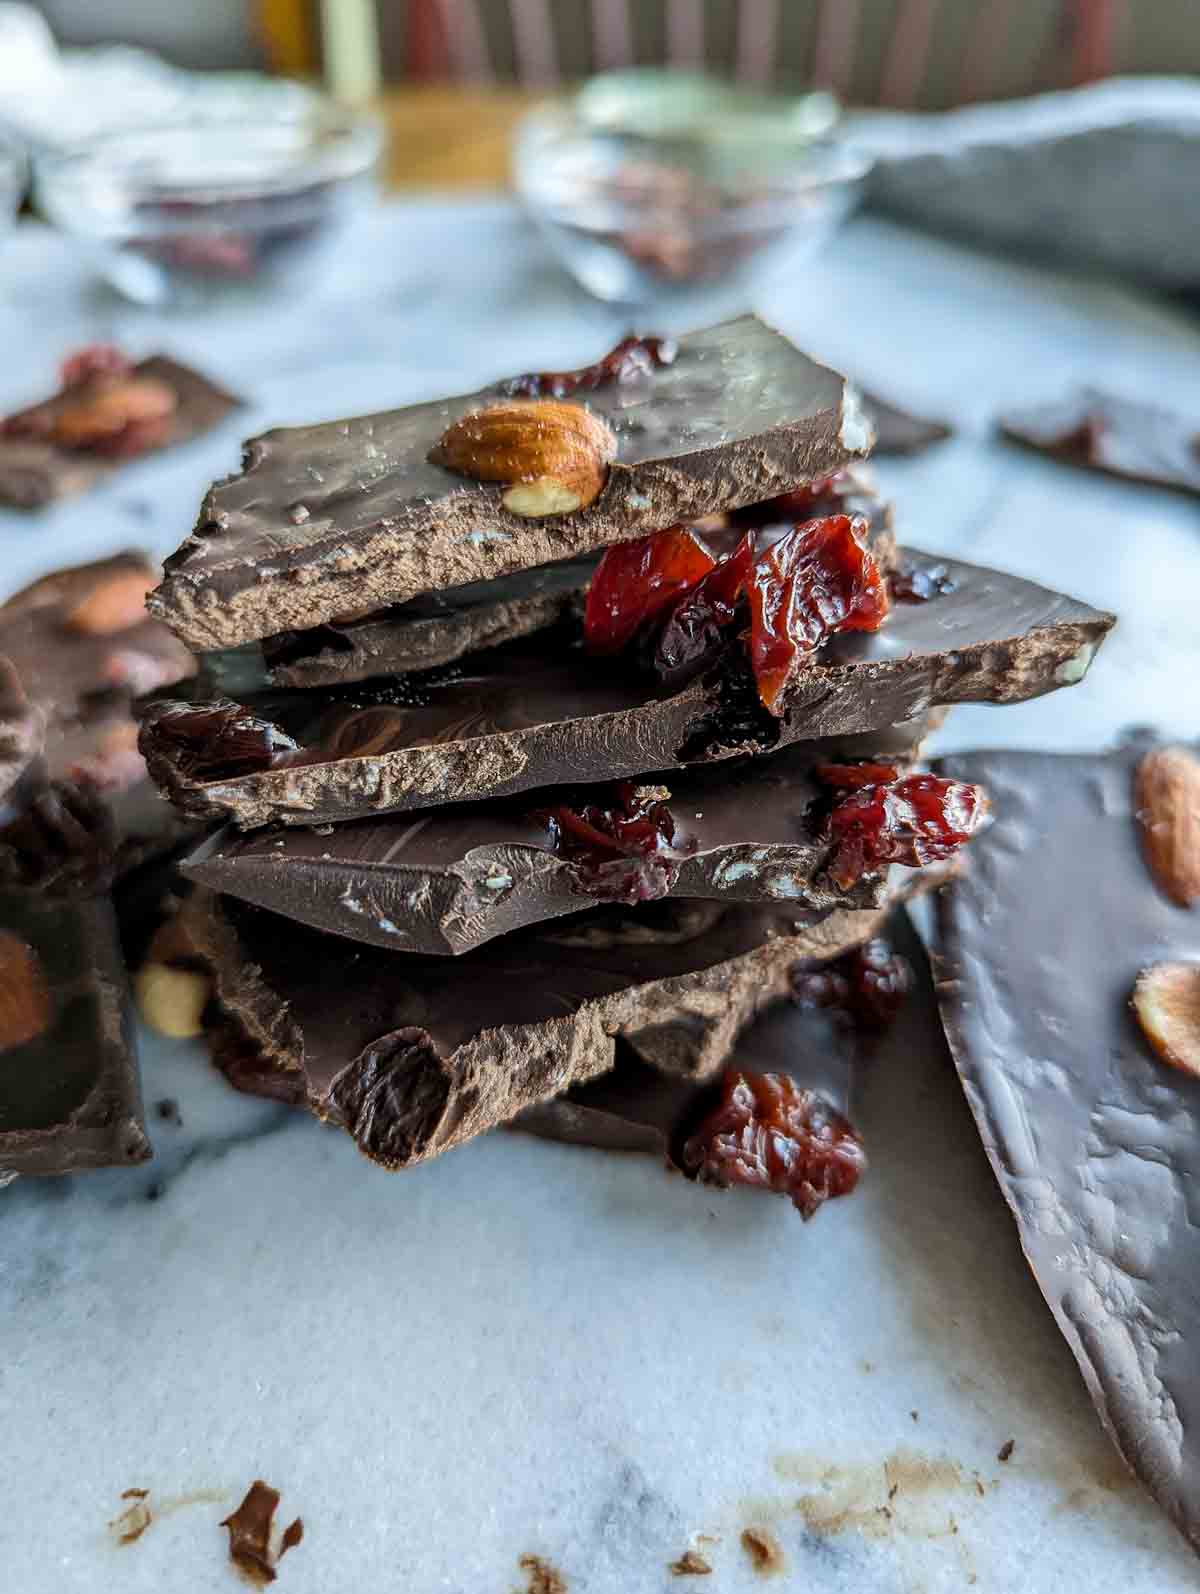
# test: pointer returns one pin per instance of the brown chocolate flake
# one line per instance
(764, 1551)
(129, 1525)
(1006, 1450)
(250, 1535)
(690, 1564)
(543, 1578)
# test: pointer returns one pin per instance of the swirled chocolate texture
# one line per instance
(543, 713)
(1094, 1140)
(348, 517)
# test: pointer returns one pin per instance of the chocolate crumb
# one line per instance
(763, 1550)
(689, 1564)
(893, 1491)
(543, 1578)
(1006, 1450)
(168, 1110)
(250, 1535)
(915, 1415)
(132, 1522)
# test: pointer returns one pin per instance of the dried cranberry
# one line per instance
(97, 359)
(801, 503)
(818, 579)
(920, 583)
(820, 988)
(695, 629)
(878, 982)
(220, 740)
(850, 777)
(631, 358)
(622, 853)
(914, 821)
(770, 1133)
(635, 581)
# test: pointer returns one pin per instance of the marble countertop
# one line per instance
(529, 1350)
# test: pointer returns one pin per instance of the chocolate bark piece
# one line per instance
(348, 517)
(1118, 436)
(80, 642)
(415, 1054)
(35, 473)
(69, 1096)
(899, 431)
(543, 713)
(441, 627)
(1094, 1140)
(446, 881)
(636, 1107)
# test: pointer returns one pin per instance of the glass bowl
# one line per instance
(651, 185)
(182, 212)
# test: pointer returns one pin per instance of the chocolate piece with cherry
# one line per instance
(1118, 436)
(108, 410)
(543, 712)
(1076, 898)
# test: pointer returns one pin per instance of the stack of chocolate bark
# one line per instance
(558, 732)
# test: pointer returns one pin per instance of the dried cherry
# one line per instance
(625, 852)
(695, 631)
(770, 1133)
(220, 740)
(850, 777)
(879, 982)
(818, 579)
(920, 819)
(635, 581)
(631, 358)
(96, 359)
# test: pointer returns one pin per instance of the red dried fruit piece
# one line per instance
(623, 853)
(770, 1133)
(695, 630)
(635, 581)
(879, 981)
(212, 741)
(818, 579)
(631, 358)
(850, 777)
(920, 819)
(801, 503)
(97, 359)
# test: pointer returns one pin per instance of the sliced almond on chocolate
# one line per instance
(116, 603)
(552, 456)
(1167, 800)
(1166, 999)
(25, 1004)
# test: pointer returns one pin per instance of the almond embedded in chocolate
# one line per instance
(552, 456)
(25, 1005)
(1166, 1000)
(116, 603)
(1167, 803)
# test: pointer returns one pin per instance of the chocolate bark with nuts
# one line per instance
(443, 626)
(543, 713)
(1117, 436)
(83, 647)
(69, 1096)
(348, 517)
(1094, 1138)
(415, 1054)
(447, 881)
(35, 472)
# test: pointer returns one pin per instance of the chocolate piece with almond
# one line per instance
(107, 412)
(1089, 1107)
(350, 517)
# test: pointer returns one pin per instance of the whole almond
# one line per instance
(1166, 1000)
(170, 1000)
(1167, 803)
(108, 407)
(553, 457)
(25, 1005)
(117, 603)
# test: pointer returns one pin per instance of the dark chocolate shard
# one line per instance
(1118, 436)
(441, 627)
(349, 517)
(412, 1055)
(1095, 1141)
(543, 713)
(69, 1095)
(251, 1535)
(34, 473)
(82, 647)
(899, 431)
(446, 881)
